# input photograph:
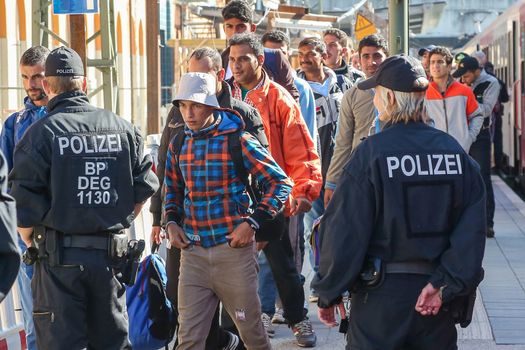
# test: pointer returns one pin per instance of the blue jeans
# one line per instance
(267, 290)
(26, 299)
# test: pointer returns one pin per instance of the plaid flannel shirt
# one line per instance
(203, 191)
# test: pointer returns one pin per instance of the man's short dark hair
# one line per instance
(212, 54)
(276, 36)
(443, 51)
(250, 39)
(316, 43)
(239, 9)
(34, 55)
(338, 33)
(374, 40)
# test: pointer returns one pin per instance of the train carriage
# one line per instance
(504, 44)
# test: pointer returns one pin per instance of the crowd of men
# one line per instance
(253, 152)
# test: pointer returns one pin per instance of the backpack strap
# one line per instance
(177, 142)
(235, 150)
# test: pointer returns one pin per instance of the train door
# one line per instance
(518, 96)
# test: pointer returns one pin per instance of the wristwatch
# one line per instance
(252, 224)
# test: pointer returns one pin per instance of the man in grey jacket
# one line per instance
(357, 115)
(486, 89)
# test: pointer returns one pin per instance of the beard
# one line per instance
(36, 94)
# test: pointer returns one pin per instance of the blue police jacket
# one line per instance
(408, 194)
(16, 125)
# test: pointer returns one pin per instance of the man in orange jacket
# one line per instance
(293, 149)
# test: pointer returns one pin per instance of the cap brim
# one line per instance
(422, 51)
(197, 98)
(366, 84)
(459, 72)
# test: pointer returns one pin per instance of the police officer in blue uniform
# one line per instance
(405, 229)
(79, 179)
(9, 254)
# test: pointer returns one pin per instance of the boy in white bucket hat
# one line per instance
(211, 217)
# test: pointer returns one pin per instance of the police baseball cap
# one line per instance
(398, 73)
(428, 48)
(197, 87)
(466, 64)
(64, 62)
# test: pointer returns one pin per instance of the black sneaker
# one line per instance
(490, 232)
(304, 334)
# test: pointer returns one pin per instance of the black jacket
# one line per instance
(80, 170)
(408, 194)
(9, 255)
(349, 72)
(175, 124)
(277, 67)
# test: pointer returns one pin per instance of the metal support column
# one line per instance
(77, 30)
(153, 68)
(39, 20)
(107, 64)
(398, 26)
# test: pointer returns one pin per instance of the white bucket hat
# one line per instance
(197, 87)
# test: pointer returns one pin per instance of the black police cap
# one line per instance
(398, 73)
(64, 62)
(466, 64)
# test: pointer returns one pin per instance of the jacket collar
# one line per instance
(68, 99)
(225, 96)
(343, 68)
(29, 104)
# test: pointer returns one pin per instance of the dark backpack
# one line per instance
(503, 93)
(152, 318)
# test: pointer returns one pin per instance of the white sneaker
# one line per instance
(278, 317)
(267, 324)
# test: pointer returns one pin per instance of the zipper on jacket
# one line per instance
(445, 110)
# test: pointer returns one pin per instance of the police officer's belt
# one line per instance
(416, 267)
(86, 241)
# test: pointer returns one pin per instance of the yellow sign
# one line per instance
(363, 27)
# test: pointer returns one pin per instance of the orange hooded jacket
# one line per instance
(290, 143)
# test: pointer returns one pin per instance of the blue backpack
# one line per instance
(152, 319)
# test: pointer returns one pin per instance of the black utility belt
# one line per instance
(374, 269)
(51, 244)
(416, 267)
(116, 244)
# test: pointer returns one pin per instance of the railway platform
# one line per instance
(499, 316)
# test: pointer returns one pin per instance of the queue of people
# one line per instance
(252, 153)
